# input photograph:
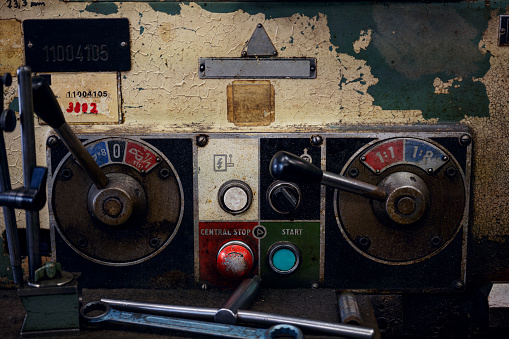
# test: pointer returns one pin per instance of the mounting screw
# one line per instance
(202, 67)
(66, 174)
(445, 158)
(274, 53)
(164, 173)
(259, 25)
(465, 139)
(430, 170)
(353, 172)
(316, 140)
(364, 242)
(315, 285)
(312, 68)
(82, 242)
(204, 287)
(363, 158)
(202, 140)
(30, 44)
(244, 53)
(123, 44)
(154, 242)
(436, 241)
(451, 172)
(52, 141)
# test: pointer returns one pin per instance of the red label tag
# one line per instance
(140, 157)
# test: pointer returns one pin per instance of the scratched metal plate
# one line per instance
(77, 45)
(257, 68)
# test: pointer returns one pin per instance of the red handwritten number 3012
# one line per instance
(77, 108)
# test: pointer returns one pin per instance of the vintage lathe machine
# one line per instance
(355, 151)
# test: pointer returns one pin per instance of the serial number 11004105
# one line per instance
(90, 52)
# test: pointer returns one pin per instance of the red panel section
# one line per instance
(213, 235)
(384, 155)
(140, 157)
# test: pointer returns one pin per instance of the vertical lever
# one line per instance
(242, 298)
(8, 124)
(26, 114)
(47, 108)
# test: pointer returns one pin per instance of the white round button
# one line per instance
(235, 196)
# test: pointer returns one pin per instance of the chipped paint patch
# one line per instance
(364, 40)
(105, 8)
(443, 87)
(11, 46)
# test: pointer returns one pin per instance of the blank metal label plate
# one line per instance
(257, 68)
(77, 45)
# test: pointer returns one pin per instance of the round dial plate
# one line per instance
(380, 238)
(147, 231)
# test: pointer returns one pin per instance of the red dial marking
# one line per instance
(384, 155)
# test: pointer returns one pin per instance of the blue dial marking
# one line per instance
(99, 152)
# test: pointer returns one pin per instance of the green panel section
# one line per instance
(304, 235)
(44, 312)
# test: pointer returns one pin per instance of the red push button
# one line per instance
(235, 260)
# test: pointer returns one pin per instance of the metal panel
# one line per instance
(77, 45)
(252, 68)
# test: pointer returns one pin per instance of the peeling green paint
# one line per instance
(102, 8)
(142, 29)
(405, 83)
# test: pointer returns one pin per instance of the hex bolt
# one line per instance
(436, 241)
(123, 44)
(154, 242)
(82, 242)
(202, 67)
(353, 172)
(316, 140)
(465, 139)
(451, 172)
(202, 140)
(164, 173)
(52, 141)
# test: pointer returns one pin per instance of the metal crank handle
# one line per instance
(290, 167)
(47, 108)
(245, 316)
(106, 313)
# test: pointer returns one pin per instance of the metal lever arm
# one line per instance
(47, 108)
(32, 198)
(290, 167)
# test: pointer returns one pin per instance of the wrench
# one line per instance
(106, 313)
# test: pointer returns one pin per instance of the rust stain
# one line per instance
(251, 103)
(166, 32)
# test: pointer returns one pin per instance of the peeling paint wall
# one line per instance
(381, 64)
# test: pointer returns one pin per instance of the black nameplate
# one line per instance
(77, 45)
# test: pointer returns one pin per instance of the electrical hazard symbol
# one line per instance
(222, 162)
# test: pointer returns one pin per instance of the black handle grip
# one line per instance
(290, 167)
(46, 105)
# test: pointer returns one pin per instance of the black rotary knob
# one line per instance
(284, 197)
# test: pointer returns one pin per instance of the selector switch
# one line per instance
(284, 257)
(284, 197)
(235, 196)
(235, 260)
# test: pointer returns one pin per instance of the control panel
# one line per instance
(385, 210)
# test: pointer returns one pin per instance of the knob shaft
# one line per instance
(284, 197)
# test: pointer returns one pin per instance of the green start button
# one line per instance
(284, 257)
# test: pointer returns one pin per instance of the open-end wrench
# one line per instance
(106, 313)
